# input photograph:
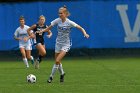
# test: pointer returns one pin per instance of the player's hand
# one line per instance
(25, 39)
(19, 38)
(37, 32)
(86, 35)
(32, 36)
(49, 36)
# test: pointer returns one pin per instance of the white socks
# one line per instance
(32, 58)
(26, 62)
(60, 68)
(55, 67)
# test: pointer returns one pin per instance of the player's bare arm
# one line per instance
(49, 33)
(83, 31)
(16, 38)
(26, 38)
(47, 29)
(31, 35)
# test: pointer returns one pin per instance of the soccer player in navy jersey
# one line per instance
(39, 38)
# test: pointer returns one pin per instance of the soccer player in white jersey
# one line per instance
(25, 44)
(63, 43)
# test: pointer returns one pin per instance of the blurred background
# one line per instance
(113, 26)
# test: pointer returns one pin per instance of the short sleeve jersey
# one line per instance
(21, 33)
(64, 29)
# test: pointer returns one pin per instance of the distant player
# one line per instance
(39, 38)
(63, 42)
(25, 43)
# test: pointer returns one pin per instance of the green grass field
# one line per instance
(105, 75)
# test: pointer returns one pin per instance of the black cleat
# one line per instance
(62, 77)
(40, 60)
(50, 80)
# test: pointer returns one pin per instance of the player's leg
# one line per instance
(54, 68)
(28, 53)
(42, 51)
(60, 68)
(22, 50)
(63, 52)
(58, 58)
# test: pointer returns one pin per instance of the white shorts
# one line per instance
(26, 47)
(61, 47)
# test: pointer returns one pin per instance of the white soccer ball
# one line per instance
(31, 78)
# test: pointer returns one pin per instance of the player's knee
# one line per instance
(44, 53)
(57, 61)
(23, 56)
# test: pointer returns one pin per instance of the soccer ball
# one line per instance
(31, 78)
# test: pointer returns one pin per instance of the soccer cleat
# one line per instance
(50, 80)
(39, 59)
(36, 64)
(62, 77)
(32, 61)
